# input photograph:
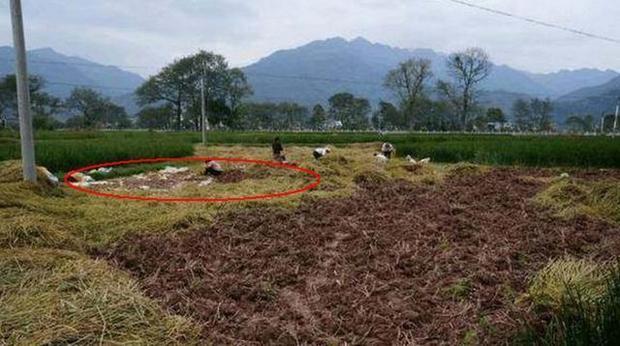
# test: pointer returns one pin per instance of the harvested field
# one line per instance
(393, 263)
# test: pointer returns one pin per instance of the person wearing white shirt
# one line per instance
(320, 152)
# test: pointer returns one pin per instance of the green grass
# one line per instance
(568, 198)
(61, 150)
(580, 321)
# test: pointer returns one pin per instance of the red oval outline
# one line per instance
(194, 199)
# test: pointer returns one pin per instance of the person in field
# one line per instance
(213, 168)
(278, 150)
(320, 152)
(387, 149)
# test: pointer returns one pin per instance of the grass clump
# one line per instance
(550, 286)
(568, 198)
(52, 297)
(582, 321)
(459, 290)
(466, 168)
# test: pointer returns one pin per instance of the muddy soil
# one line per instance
(393, 264)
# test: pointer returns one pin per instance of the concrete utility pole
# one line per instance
(23, 93)
(616, 118)
(204, 121)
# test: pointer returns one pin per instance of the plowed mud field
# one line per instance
(392, 264)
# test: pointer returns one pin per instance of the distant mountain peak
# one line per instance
(62, 73)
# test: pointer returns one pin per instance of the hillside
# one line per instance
(62, 73)
(592, 100)
(312, 73)
(565, 81)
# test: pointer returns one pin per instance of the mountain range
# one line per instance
(359, 66)
(63, 73)
(311, 73)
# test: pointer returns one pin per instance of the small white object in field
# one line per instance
(380, 158)
(564, 175)
(416, 162)
(99, 183)
(144, 187)
(205, 182)
(82, 178)
(103, 170)
(173, 170)
(320, 152)
(50, 177)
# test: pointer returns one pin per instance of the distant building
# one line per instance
(333, 124)
(500, 127)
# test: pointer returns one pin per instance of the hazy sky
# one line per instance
(151, 33)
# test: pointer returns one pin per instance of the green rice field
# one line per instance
(62, 150)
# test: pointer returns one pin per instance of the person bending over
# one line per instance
(320, 152)
(213, 168)
(387, 149)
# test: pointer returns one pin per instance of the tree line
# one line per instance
(172, 100)
(83, 108)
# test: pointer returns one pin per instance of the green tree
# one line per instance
(542, 116)
(351, 111)
(522, 114)
(44, 106)
(495, 115)
(96, 110)
(319, 117)
(467, 69)
(388, 117)
(407, 82)
(272, 116)
(179, 85)
(156, 117)
(171, 85)
(237, 89)
(576, 123)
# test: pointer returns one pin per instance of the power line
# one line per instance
(94, 86)
(92, 64)
(537, 22)
(317, 79)
(258, 74)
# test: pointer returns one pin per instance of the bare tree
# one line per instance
(467, 68)
(407, 82)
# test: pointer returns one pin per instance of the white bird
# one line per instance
(425, 160)
(380, 158)
(416, 162)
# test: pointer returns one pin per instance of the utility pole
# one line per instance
(603, 123)
(616, 118)
(204, 121)
(23, 93)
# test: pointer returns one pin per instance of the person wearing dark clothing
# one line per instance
(278, 150)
